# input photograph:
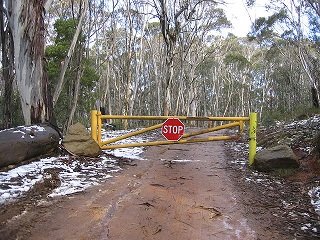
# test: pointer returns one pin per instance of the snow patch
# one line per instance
(34, 128)
(74, 175)
(314, 194)
(131, 153)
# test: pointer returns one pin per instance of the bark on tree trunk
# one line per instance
(69, 55)
(76, 95)
(315, 95)
(168, 86)
(7, 69)
(170, 39)
(315, 98)
(26, 20)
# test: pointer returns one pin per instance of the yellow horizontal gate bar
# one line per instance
(211, 130)
(112, 140)
(157, 143)
(180, 117)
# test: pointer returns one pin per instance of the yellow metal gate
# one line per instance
(97, 118)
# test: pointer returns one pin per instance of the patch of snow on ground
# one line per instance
(81, 175)
(131, 153)
(311, 123)
(74, 174)
(314, 194)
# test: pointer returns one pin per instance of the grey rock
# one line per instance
(278, 157)
(26, 142)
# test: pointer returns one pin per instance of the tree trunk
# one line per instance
(315, 95)
(7, 69)
(170, 39)
(76, 94)
(26, 20)
(69, 55)
(168, 85)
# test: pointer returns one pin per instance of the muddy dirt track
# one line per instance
(178, 192)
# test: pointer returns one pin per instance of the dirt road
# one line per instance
(178, 192)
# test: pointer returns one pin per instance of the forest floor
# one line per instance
(194, 191)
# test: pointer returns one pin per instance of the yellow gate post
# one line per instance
(252, 137)
(94, 122)
(99, 123)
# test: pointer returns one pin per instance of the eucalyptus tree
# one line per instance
(7, 68)
(176, 18)
(192, 50)
(288, 23)
(26, 22)
(228, 76)
(312, 8)
(154, 68)
(71, 69)
(71, 49)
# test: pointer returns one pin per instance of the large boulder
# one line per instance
(278, 157)
(79, 141)
(26, 142)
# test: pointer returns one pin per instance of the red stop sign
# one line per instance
(172, 129)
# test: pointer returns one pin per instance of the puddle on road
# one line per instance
(179, 160)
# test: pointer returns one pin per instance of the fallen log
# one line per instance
(25, 142)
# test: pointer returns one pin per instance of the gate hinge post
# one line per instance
(94, 125)
(252, 137)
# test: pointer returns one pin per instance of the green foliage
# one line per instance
(65, 30)
(118, 124)
(270, 117)
(236, 58)
(314, 22)
(56, 53)
(300, 112)
(263, 28)
(305, 113)
(90, 76)
(153, 28)
(53, 69)
(219, 19)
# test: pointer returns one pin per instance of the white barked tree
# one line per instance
(26, 20)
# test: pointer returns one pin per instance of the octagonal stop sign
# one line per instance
(172, 129)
